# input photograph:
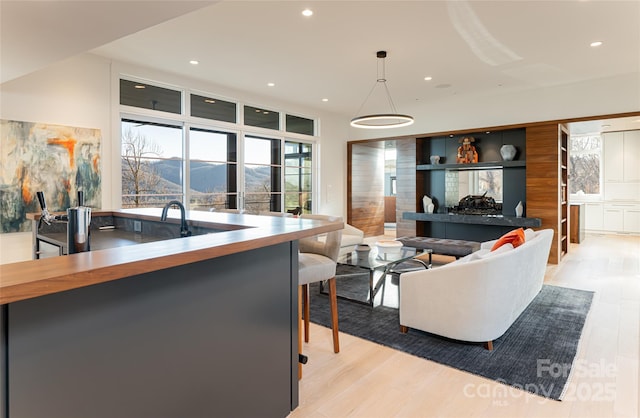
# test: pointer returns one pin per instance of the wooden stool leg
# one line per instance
(334, 313)
(489, 345)
(305, 302)
(299, 330)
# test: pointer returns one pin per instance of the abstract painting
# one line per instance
(57, 160)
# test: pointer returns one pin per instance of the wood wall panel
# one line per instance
(390, 209)
(406, 188)
(543, 181)
(365, 187)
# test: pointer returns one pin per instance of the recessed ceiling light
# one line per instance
(606, 126)
(209, 101)
(595, 44)
(325, 100)
(271, 84)
(139, 86)
(307, 12)
(428, 78)
(194, 62)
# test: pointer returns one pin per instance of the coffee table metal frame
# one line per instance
(373, 261)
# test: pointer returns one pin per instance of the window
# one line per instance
(212, 170)
(262, 118)
(262, 175)
(152, 164)
(299, 125)
(298, 176)
(585, 162)
(215, 109)
(191, 157)
(151, 97)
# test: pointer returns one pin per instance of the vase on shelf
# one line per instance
(519, 209)
(508, 152)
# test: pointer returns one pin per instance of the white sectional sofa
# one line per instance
(477, 297)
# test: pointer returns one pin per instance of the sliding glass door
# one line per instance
(298, 177)
(262, 175)
(213, 168)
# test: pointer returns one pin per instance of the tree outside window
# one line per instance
(585, 164)
(149, 179)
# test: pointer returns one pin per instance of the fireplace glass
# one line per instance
(477, 182)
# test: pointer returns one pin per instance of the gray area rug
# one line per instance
(542, 340)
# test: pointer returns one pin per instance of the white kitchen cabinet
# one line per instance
(632, 220)
(622, 217)
(613, 156)
(621, 152)
(593, 216)
(621, 156)
(630, 159)
(613, 219)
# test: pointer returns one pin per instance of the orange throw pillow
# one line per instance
(515, 238)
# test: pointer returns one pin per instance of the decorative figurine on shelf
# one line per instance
(519, 209)
(428, 204)
(467, 153)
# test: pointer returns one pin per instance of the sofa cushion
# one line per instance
(529, 234)
(515, 238)
(480, 254)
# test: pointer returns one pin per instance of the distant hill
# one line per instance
(207, 178)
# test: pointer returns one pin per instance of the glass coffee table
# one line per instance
(372, 261)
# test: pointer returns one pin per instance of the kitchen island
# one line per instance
(187, 327)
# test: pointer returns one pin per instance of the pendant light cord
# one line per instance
(382, 80)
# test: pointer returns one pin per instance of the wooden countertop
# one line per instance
(30, 279)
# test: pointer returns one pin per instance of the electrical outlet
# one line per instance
(137, 226)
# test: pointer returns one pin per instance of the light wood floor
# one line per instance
(369, 380)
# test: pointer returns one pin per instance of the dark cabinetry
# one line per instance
(434, 180)
(187, 341)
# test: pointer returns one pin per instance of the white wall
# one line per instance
(82, 91)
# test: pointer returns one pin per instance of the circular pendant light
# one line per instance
(381, 120)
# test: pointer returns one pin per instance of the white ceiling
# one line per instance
(470, 48)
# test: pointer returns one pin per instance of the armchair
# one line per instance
(351, 236)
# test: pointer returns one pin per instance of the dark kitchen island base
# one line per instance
(216, 337)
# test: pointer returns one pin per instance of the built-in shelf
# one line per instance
(564, 181)
(484, 164)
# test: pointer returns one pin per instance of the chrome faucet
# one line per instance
(184, 228)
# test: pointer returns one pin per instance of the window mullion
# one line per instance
(186, 166)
